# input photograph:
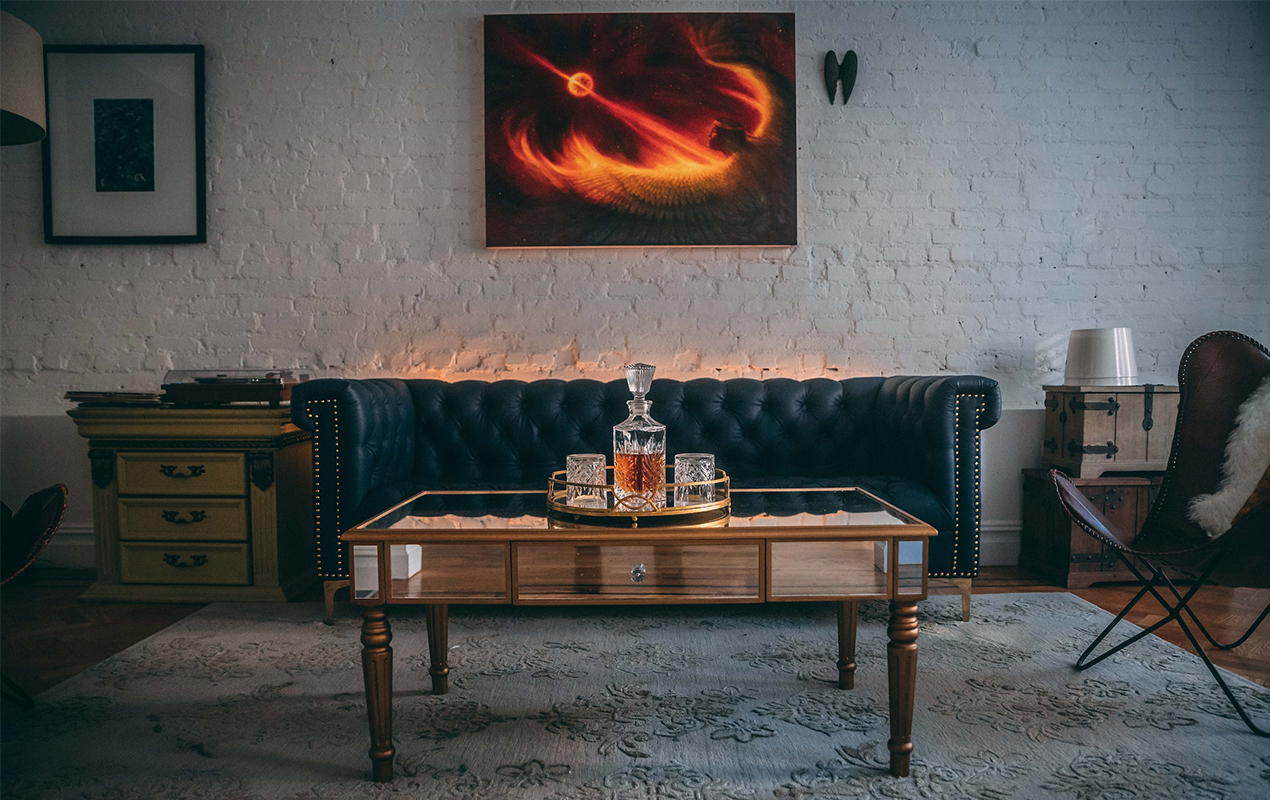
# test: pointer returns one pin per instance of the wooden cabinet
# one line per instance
(199, 505)
(1090, 430)
(1053, 545)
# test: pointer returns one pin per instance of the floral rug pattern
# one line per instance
(263, 702)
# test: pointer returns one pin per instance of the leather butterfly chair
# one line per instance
(1217, 374)
(23, 536)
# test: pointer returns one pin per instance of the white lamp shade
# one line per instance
(1101, 357)
(21, 82)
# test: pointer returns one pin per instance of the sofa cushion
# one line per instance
(904, 493)
(777, 428)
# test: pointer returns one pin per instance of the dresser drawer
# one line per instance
(207, 519)
(182, 473)
(184, 563)
(671, 573)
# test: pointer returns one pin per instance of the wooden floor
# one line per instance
(49, 636)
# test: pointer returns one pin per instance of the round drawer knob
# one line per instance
(638, 573)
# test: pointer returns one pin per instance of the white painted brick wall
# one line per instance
(1004, 173)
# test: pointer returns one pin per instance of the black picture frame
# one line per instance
(199, 234)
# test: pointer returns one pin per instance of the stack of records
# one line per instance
(115, 398)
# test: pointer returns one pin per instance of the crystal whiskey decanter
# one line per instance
(639, 449)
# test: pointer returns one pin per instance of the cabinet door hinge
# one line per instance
(1110, 406)
(1109, 449)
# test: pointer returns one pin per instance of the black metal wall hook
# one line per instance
(844, 72)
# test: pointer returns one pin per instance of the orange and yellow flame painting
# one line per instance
(639, 129)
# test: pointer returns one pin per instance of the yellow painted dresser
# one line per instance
(199, 504)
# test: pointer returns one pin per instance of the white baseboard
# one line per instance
(74, 546)
(999, 542)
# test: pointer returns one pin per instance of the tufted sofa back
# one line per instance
(515, 433)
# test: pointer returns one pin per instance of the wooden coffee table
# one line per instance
(802, 544)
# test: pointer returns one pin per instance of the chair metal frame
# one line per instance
(1175, 614)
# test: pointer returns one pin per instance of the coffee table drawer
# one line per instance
(828, 569)
(445, 572)
(673, 573)
(183, 562)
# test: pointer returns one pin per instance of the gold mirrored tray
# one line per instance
(634, 511)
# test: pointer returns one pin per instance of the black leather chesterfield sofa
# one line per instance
(913, 441)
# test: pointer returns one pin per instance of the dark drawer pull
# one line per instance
(170, 470)
(176, 519)
(175, 561)
(1111, 406)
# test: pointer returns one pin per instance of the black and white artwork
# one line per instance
(123, 138)
(124, 157)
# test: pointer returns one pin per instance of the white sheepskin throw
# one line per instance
(1247, 458)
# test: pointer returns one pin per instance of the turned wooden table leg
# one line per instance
(847, 615)
(901, 669)
(438, 646)
(377, 673)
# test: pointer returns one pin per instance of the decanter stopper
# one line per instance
(639, 378)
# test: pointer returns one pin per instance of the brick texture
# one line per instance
(1004, 173)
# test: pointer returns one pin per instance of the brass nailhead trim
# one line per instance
(956, 484)
(317, 474)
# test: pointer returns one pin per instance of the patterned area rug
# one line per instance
(240, 701)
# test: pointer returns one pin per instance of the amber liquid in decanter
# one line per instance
(639, 449)
(640, 473)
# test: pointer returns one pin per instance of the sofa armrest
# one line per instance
(927, 429)
(363, 437)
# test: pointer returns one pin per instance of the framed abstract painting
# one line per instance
(124, 156)
(658, 129)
